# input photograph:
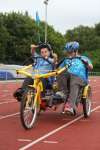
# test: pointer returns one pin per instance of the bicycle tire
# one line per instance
(25, 109)
(86, 102)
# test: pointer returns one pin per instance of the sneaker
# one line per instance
(54, 108)
(68, 109)
(18, 94)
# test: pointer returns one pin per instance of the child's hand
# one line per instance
(46, 57)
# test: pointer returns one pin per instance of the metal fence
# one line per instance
(8, 72)
(94, 73)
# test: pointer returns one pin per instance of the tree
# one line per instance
(18, 31)
(97, 29)
(84, 35)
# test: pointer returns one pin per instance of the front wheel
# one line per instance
(28, 112)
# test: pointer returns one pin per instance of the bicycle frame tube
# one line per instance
(38, 85)
(26, 67)
(85, 91)
(51, 74)
(37, 76)
(24, 73)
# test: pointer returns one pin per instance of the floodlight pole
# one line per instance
(46, 3)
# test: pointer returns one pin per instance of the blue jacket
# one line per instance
(77, 67)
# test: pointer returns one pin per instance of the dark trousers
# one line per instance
(29, 81)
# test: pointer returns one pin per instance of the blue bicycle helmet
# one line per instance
(71, 46)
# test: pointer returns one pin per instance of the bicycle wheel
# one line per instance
(86, 102)
(28, 112)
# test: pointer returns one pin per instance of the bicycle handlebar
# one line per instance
(46, 75)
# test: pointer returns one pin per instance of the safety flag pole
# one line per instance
(38, 24)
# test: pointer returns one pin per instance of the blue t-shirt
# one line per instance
(42, 67)
(77, 67)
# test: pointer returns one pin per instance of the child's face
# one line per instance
(70, 54)
(45, 53)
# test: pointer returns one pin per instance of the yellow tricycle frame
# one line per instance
(38, 85)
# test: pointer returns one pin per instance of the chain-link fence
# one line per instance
(94, 73)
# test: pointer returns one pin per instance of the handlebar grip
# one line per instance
(17, 72)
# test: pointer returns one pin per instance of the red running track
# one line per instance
(52, 130)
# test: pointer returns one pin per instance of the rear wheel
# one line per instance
(87, 103)
(28, 112)
(74, 112)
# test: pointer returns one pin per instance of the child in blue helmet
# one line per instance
(76, 75)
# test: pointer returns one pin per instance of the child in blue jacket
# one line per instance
(44, 63)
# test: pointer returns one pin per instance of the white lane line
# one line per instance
(8, 116)
(1, 103)
(55, 131)
(24, 140)
(0, 116)
(50, 142)
(5, 90)
(97, 111)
